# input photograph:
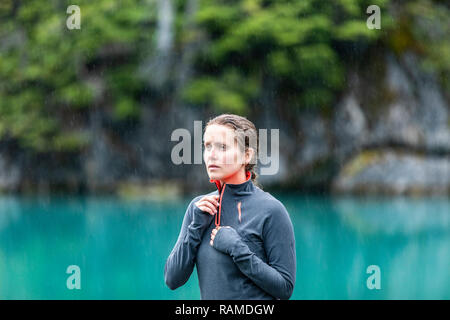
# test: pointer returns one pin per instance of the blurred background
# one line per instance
(86, 117)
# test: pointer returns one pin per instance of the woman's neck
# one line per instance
(237, 178)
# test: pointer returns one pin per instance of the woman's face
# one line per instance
(222, 155)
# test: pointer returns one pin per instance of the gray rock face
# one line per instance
(389, 172)
(350, 126)
(316, 139)
(414, 115)
(414, 119)
(10, 174)
(418, 115)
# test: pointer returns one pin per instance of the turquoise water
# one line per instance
(121, 247)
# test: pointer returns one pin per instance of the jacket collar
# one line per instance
(241, 188)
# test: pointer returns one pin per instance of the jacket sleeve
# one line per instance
(181, 261)
(277, 276)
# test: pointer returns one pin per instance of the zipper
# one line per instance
(217, 217)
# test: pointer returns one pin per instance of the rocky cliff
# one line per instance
(388, 133)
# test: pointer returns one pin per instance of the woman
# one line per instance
(240, 238)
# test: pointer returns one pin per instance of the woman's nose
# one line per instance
(212, 154)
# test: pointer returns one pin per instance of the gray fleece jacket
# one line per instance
(253, 253)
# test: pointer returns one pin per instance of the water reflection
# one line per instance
(394, 216)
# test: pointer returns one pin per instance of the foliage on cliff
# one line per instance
(51, 77)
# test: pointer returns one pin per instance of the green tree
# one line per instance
(51, 77)
(296, 44)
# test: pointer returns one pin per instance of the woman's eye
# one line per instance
(219, 147)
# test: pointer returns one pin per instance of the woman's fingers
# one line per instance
(208, 204)
(207, 209)
(213, 203)
(214, 200)
(205, 204)
(213, 235)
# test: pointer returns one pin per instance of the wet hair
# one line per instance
(246, 135)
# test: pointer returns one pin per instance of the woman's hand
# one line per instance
(208, 204)
(224, 238)
(205, 210)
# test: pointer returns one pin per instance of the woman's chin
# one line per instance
(214, 176)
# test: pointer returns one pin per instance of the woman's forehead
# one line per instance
(217, 132)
